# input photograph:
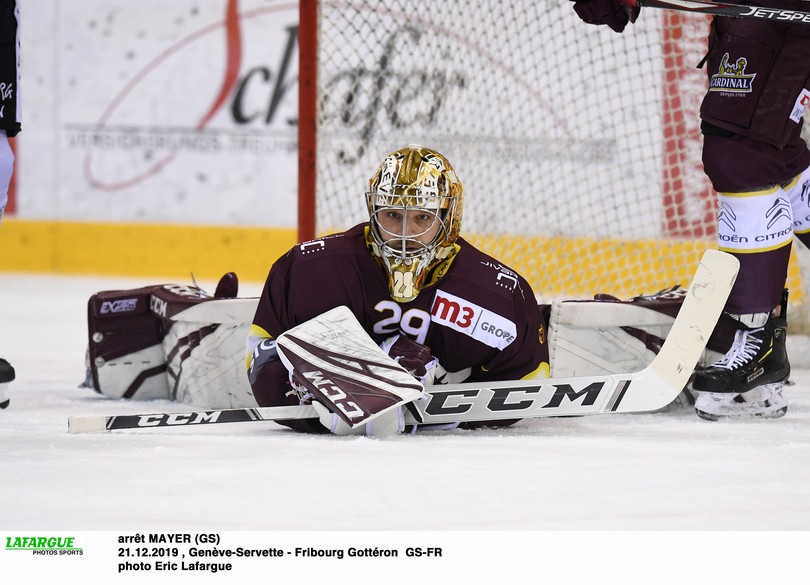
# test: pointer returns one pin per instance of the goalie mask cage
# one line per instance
(579, 148)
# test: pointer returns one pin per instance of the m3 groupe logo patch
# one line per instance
(479, 323)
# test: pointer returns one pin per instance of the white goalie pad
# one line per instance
(125, 357)
(205, 354)
(598, 337)
(172, 342)
(140, 374)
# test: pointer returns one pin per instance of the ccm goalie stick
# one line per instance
(725, 9)
(647, 390)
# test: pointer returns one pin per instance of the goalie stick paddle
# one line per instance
(647, 390)
(725, 9)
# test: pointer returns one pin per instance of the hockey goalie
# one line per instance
(360, 322)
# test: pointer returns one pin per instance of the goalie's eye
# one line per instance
(424, 219)
(392, 216)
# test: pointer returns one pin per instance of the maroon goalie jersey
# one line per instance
(479, 319)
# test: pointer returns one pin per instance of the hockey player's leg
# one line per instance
(753, 155)
(749, 380)
(757, 226)
(6, 169)
(763, 375)
(6, 377)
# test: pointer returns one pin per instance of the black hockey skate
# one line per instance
(6, 376)
(757, 360)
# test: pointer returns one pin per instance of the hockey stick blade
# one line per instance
(647, 390)
(725, 9)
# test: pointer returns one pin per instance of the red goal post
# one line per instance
(579, 148)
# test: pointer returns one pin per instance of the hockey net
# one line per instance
(579, 148)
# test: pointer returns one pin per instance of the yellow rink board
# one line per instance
(154, 251)
(159, 252)
(622, 268)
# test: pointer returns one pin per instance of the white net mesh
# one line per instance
(579, 148)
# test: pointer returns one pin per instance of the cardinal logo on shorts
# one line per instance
(732, 78)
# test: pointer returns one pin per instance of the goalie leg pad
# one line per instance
(617, 337)
(206, 364)
(125, 357)
(171, 341)
(598, 337)
(204, 345)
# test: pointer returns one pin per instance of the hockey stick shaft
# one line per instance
(88, 424)
(647, 390)
(726, 9)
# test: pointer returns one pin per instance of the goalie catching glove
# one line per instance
(414, 357)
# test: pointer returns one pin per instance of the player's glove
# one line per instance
(610, 12)
(414, 357)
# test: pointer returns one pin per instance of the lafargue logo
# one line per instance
(220, 78)
(44, 545)
(732, 78)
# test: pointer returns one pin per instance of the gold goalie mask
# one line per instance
(414, 203)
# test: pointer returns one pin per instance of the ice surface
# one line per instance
(645, 471)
